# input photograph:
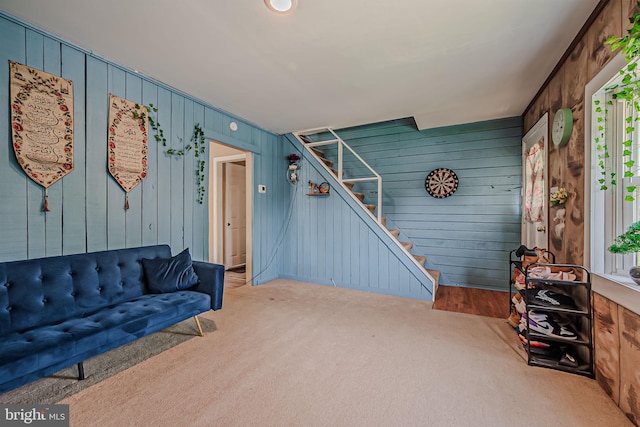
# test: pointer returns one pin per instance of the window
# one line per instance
(611, 215)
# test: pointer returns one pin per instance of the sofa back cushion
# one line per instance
(47, 291)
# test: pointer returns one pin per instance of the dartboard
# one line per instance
(441, 183)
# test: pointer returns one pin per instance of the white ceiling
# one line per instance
(331, 63)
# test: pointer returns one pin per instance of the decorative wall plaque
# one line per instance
(41, 124)
(128, 151)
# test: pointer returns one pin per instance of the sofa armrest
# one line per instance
(211, 281)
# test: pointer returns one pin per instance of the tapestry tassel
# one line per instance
(45, 207)
(126, 201)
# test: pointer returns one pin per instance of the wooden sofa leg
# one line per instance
(198, 325)
(80, 371)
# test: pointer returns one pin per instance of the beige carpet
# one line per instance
(295, 354)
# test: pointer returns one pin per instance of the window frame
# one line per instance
(605, 205)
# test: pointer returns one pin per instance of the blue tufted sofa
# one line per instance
(58, 311)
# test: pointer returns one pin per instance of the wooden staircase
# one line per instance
(360, 197)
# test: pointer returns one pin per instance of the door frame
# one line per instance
(539, 131)
(216, 216)
(228, 208)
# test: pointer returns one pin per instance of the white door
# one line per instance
(235, 214)
(534, 185)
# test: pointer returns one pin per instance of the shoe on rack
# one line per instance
(563, 276)
(534, 343)
(519, 303)
(547, 325)
(549, 352)
(539, 272)
(569, 359)
(514, 318)
(523, 250)
(522, 326)
(550, 298)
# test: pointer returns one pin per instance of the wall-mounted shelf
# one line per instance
(323, 189)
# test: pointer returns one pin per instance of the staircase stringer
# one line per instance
(374, 224)
(429, 265)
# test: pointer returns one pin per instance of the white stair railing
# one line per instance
(303, 137)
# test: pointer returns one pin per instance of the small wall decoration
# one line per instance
(321, 189)
(441, 183)
(128, 149)
(558, 196)
(293, 169)
(41, 124)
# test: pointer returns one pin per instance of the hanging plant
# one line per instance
(197, 139)
(199, 153)
(628, 90)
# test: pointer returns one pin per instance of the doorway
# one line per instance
(534, 185)
(230, 207)
(234, 220)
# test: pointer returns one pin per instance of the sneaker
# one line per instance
(534, 343)
(546, 325)
(514, 317)
(569, 359)
(523, 250)
(562, 276)
(550, 298)
(522, 326)
(519, 303)
(539, 272)
(518, 281)
(547, 352)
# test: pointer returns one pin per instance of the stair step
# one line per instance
(335, 172)
(371, 208)
(360, 196)
(436, 276)
(421, 259)
(327, 162)
(395, 233)
(350, 185)
(319, 153)
(384, 221)
(407, 245)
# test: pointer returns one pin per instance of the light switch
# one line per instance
(262, 188)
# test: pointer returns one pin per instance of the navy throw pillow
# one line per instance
(169, 274)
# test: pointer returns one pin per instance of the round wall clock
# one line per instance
(562, 126)
(441, 183)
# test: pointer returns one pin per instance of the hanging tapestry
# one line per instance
(41, 124)
(534, 183)
(127, 143)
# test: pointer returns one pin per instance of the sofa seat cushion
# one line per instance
(110, 327)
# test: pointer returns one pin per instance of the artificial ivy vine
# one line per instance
(197, 139)
(627, 90)
(199, 153)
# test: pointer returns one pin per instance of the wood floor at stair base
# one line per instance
(480, 302)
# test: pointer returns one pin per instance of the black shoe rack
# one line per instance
(546, 348)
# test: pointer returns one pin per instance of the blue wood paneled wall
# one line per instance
(333, 241)
(87, 206)
(467, 236)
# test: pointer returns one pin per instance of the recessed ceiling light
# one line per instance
(281, 6)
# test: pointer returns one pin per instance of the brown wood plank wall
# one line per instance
(616, 329)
